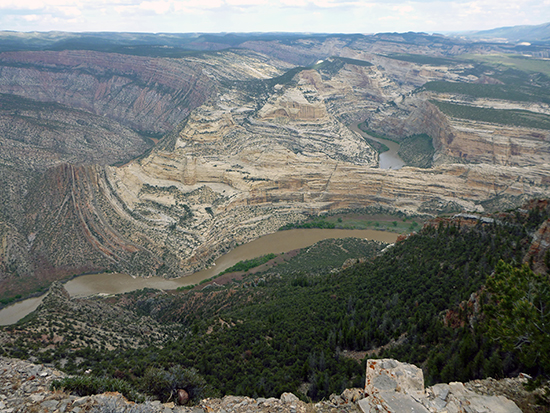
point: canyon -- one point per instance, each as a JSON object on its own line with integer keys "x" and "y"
{"x": 156, "y": 166}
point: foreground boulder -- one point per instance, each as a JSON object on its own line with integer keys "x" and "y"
{"x": 392, "y": 386}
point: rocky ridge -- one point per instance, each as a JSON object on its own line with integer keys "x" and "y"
{"x": 36, "y": 136}
{"x": 148, "y": 94}
{"x": 391, "y": 387}
{"x": 92, "y": 323}
{"x": 247, "y": 157}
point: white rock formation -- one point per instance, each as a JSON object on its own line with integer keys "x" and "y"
{"x": 392, "y": 386}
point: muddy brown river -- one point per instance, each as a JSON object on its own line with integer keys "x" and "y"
{"x": 116, "y": 283}
{"x": 389, "y": 159}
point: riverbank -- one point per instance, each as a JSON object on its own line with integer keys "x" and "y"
{"x": 118, "y": 283}
{"x": 276, "y": 243}
{"x": 389, "y": 159}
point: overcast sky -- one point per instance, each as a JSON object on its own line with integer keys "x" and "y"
{"x": 342, "y": 16}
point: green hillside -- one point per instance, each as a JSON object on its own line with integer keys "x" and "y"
{"x": 293, "y": 329}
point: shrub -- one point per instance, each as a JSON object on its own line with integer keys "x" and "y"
{"x": 165, "y": 384}
{"x": 518, "y": 313}
{"x": 89, "y": 385}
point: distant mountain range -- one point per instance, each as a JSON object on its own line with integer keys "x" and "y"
{"x": 539, "y": 33}
{"x": 181, "y": 44}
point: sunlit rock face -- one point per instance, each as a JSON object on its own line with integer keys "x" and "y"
{"x": 245, "y": 149}
{"x": 392, "y": 386}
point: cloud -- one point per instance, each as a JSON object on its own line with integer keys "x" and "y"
{"x": 159, "y": 7}
{"x": 241, "y": 3}
{"x": 197, "y": 4}
{"x": 32, "y": 17}
{"x": 403, "y": 9}
{"x": 359, "y": 16}
{"x": 32, "y": 4}
{"x": 71, "y": 11}
{"x": 297, "y": 3}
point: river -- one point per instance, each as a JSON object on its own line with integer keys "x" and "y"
{"x": 116, "y": 283}
{"x": 389, "y": 159}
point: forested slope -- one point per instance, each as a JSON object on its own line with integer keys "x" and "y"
{"x": 291, "y": 329}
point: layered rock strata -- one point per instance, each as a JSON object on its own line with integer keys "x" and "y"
{"x": 248, "y": 151}
{"x": 143, "y": 93}
{"x": 241, "y": 167}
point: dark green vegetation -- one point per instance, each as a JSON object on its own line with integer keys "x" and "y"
{"x": 164, "y": 384}
{"x": 365, "y": 128}
{"x": 417, "y": 150}
{"x": 286, "y": 329}
{"x": 249, "y": 264}
{"x": 317, "y": 222}
{"x": 380, "y": 222}
{"x": 327, "y": 256}
{"x": 503, "y": 116}
{"x": 514, "y": 92}
{"x": 467, "y": 344}
{"x": 423, "y": 59}
{"x": 33, "y": 293}
{"x": 519, "y": 313}
{"x": 414, "y": 150}
{"x": 509, "y": 65}
{"x": 378, "y": 146}
{"x": 501, "y": 77}
{"x": 142, "y": 44}
{"x": 160, "y": 383}
{"x": 89, "y": 385}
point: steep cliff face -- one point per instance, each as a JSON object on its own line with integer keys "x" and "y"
{"x": 83, "y": 108}
{"x": 461, "y": 140}
{"x": 36, "y": 136}
{"x": 242, "y": 167}
{"x": 148, "y": 94}
{"x": 249, "y": 149}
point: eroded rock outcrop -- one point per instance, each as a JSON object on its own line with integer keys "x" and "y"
{"x": 26, "y": 387}
{"x": 392, "y": 386}
{"x": 538, "y": 254}
{"x": 241, "y": 167}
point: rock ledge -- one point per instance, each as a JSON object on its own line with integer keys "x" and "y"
{"x": 390, "y": 386}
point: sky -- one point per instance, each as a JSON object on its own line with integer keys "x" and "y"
{"x": 318, "y": 16}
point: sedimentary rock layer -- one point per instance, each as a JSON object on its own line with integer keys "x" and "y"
{"x": 248, "y": 150}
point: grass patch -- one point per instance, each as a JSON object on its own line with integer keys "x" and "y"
{"x": 313, "y": 223}
{"x": 249, "y": 264}
{"x": 422, "y": 59}
{"x": 512, "y": 117}
{"x": 523, "y": 63}
{"x": 503, "y": 92}
{"x": 380, "y": 222}
{"x": 417, "y": 150}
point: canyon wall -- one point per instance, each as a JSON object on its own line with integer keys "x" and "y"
{"x": 248, "y": 149}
